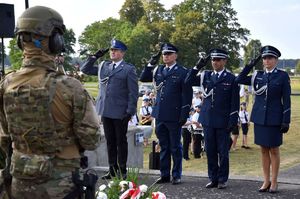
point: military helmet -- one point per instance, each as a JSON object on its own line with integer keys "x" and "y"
{"x": 41, "y": 21}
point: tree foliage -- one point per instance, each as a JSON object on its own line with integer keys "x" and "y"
{"x": 132, "y": 11}
{"x": 193, "y": 26}
{"x": 251, "y": 51}
{"x": 297, "y": 68}
{"x": 70, "y": 40}
{"x": 15, "y": 54}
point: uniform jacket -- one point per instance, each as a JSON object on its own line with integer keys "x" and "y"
{"x": 273, "y": 106}
{"x": 71, "y": 106}
{"x": 220, "y": 109}
{"x": 174, "y": 96}
{"x": 118, "y": 89}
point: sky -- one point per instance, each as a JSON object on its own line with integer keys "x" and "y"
{"x": 273, "y": 22}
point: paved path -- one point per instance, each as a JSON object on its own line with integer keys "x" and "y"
{"x": 240, "y": 187}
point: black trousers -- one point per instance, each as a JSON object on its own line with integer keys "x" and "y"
{"x": 186, "y": 140}
{"x": 115, "y": 131}
{"x": 197, "y": 145}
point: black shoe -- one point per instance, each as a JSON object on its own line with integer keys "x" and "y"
{"x": 222, "y": 185}
{"x": 162, "y": 180}
{"x": 176, "y": 181}
{"x": 273, "y": 190}
{"x": 211, "y": 185}
{"x": 265, "y": 189}
{"x": 107, "y": 176}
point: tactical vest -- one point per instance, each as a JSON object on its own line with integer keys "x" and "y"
{"x": 30, "y": 122}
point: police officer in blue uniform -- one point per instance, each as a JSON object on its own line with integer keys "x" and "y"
{"x": 271, "y": 111}
{"x": 171, "y": 109}
{"x": 116, "y": 102}
{"x": 219, "y": 113}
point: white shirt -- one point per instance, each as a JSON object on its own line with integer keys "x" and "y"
{"x": 133, "y": 121}
{"x": 170, "y": 67}
{"x": 195, "y": 119}
{"x": 220, "y": 72}
{"x": 117, "y": 63}
{"x": 242, "y": 117}
{"x": 143, "y": 110}
{"x": 196, "y": 101}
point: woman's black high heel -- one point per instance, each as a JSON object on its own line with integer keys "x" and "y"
{"x": 265, "y": 189}
{"x": 273, "y": 190}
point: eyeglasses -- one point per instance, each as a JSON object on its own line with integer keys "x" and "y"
{"x": 216, "y": 59}
{"x": 268, "y": 57}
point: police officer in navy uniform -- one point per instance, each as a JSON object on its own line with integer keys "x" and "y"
{"x": 116, "y": 102}
{"x": 171, "y": 109}
{"x": 219, "y": 113}
{"x": 271, "y": 111}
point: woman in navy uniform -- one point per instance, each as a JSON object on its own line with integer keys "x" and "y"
{"x": 271, "y": 111}
{"x": 170, "y": 110}
{"x": 219, "y": 113}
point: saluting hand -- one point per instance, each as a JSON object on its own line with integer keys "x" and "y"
{"x": 100, "y": 53}
{"x": 155, "y": 58}
{"x": 253, "y": 62}
{"x": 202, "y": 61}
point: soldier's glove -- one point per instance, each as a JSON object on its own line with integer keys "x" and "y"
{"x": 100, "y": 53}
{"x": 284, "y": 128}
{"x": 202, "y": 61}
{"x": 154, "y": 58}
{"x": 253, "y": 62}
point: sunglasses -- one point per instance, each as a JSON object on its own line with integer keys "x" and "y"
{"x": 216, "y": 59}
{"x": 268, "y": 57}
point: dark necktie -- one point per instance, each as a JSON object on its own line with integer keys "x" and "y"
{"x": 114, "y": 66}
{"x": 268, "y": 76}
{"x": 146, "y": 107}
{"x": 246, "y": 119}
{"x": 215, "y": 77}
{"x": 166, "y": 70}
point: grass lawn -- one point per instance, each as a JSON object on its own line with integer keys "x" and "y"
{"x": 242, "y": 161}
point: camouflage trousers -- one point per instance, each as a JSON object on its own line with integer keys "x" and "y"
{"x": 56, "y": 188}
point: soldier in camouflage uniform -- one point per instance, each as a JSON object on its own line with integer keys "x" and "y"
{"x": 49, "y": 117}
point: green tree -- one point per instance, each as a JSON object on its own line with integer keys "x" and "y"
{"x": 70, "y": 40}
{"x": 99, "y": 34}
{"x": 132, "y": 11}
{"x": 154, "y": 10}
{"x": 222, "y": 29}
{"x": 297, "y": 68}
{"x": 189, "y": 28}
{"x": 15, "y": 54}
{"x": 251, "y": 51}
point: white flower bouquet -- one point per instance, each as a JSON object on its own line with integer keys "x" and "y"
{"x": 123, "y": 189}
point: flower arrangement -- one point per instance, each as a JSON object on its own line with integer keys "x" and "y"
{"x": 128, "y": 189}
